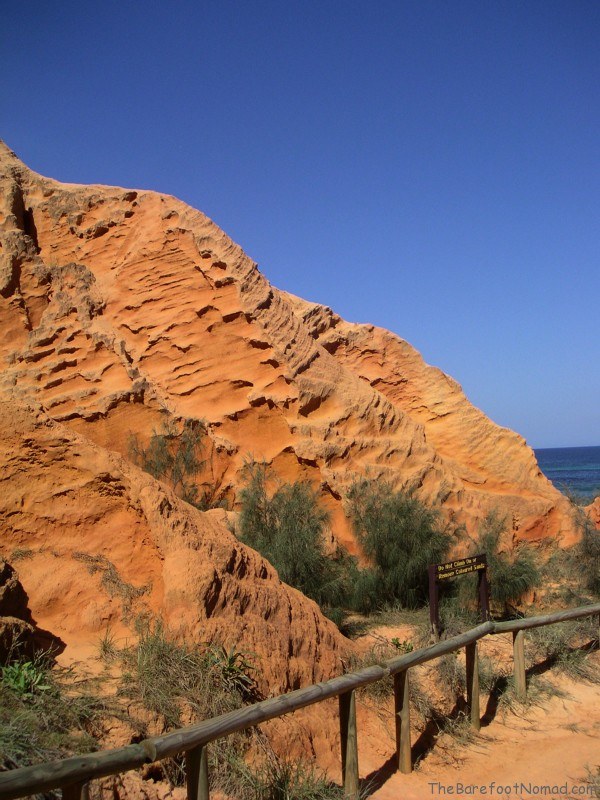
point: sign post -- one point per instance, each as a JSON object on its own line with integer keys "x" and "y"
{"x": 434, "y": 610}
{"x": 454, "y": 569}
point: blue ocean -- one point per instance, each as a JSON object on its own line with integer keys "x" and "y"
{"x": 574, "y": 470}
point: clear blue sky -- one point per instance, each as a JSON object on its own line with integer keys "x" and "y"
{"x": 430, "y": 167}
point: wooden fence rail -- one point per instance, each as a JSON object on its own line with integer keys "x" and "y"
{"x": 72, "y": 775}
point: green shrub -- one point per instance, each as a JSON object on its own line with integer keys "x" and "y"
{"x": 25, "y": 678}
{"x": 287, "y": 529}
{"x": 588, "y": 552}
{"x": 284, "y": 779}
{"x": 47, "y": 713}
{"x": 176, "y": 455}
{"x": 401, "y": 536}
{"x": 179, "y": 684}
{"x": 511, "y": 575}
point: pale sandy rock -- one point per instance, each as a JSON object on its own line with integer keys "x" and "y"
{"x": 593, "y": 512}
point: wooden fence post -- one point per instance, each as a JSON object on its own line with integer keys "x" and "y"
{"x": 196, "y": 773}
{"x": 472, "y": 659}
{"x": 76, "y": 791}
{"x": 519, "y": 666}
{"x": 349, "y": 742}
{"x": 402, "y": 715}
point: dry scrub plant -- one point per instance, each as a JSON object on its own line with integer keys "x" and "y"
{"x": 287, "y": 527}
{"x": 512, "y": 572}
{"x": 401, "y": 536}
{"x": 47, "y": 712}
{"x": 176, "y": 455}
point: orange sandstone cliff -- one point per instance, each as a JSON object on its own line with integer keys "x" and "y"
{"x": 120, "y": 309}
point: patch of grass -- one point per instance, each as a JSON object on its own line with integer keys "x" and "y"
{"x": 173, "y": 681}
{"x": 21, "y": 553}
{"x": 451, "y": 674}
{"x": 381, "y": 690}
{"x": 391, "y": 617}
{"x": 457, "y": 615}
{"x": 111, "y": 581}
{"x": 592, "y": 780}
{"x": 490, "y": 674}
{"x": 47, "y": 713}
{"x": 459, "y": 728}
{"x": 571, "y": 576}
{"x": 560, "y": 646}
{"x": 283, "y": 779}
{"x": 421, "y": 703}
{"x": 178, "y": 684}
{"x": 107, "y": 647}
{"x": 396, "y": 614}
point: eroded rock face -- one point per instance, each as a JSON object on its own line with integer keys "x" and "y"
{"x": 106, "y": 542}
{"x": 16, "y": 632}
{"x": 593, "y": 512}
{"x": 121, "y": 307}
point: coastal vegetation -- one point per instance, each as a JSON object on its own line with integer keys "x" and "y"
{"x": 401, "y": 536}
{"x": 287, "y": 527}
{"x": 176, "y": 454}
{"x": 513, "y": 572}
{"x": 588, "y": 553}
{"x": 150, "y": 686}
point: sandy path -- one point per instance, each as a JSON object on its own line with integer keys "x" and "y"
{"x": 549, "y": 745}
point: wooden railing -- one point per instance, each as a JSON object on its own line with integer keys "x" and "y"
{"x": 72, "y": 775}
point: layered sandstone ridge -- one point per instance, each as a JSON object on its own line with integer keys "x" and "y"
{"x": 97, "y": 543}
{"x": 121, "y": 307}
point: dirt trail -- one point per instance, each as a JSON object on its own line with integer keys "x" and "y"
{"x": 553, "y": 744}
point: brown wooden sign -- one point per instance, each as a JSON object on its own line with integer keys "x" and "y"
{"x": 461, "y": 566}
{"x": 455, "y": 569}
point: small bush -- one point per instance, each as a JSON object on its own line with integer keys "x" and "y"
{"x": 46, "y": 713}
{"x": 172, "y": 680}
{"x": 511, "y": 575}
{"x": 287, "y": 529}
{"x": 401, "y": 536}
{"x": 26, "y": 679}
{"x": 176, "y": 456}
{"x": 283, "y": 779}
{"x": 179, "y": 684}
{"x": 588, "y": 552}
